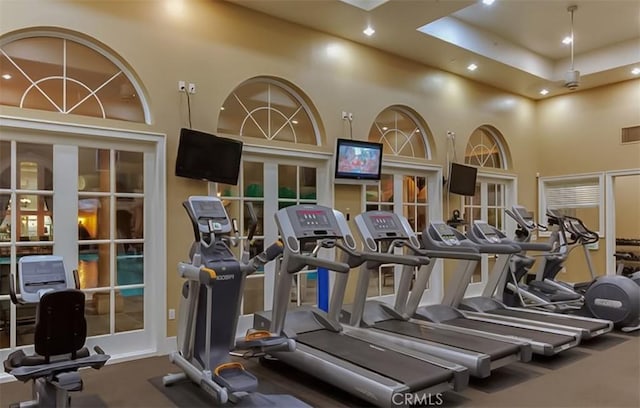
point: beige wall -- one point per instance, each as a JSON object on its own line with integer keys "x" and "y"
{"x": 217, "y": 46}
{"x": 580, "y": 133}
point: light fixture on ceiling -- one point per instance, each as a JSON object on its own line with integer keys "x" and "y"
{"x": 384, "y": 128}
{"x": 472, "y": 67}
{"x": 295, "y": 122}
{"x": 544, "y": 91}
{"x": 572, "y": 76}
{"x": 222, "y": 108}
{"x": 567, "y": 40}
{"x": 635, "y": 71}
{"x": 6, "y": 76}
{"x": 488, "y": 2}
{"x": 369, "y": 31}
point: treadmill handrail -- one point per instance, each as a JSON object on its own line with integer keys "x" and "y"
{"x": 319, "y": 262}
{"x": 466, "y": 253}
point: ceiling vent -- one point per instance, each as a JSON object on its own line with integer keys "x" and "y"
{"x": 630, "y": 134}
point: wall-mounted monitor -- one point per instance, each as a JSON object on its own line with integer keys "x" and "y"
{"x": 204, "y": 156}
{"x": 462, "y": 179}
{"x": 357, "y": 160}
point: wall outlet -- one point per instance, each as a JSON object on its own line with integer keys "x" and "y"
{"x": 192, "y": 88}
{"x": 172, "y": 314}
{"x": 345, "y": 115}
{"x": 182, "y": 86}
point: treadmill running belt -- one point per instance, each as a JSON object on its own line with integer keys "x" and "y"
{"x": 414, "y": 373}
{"x": 556, "y": 340}
{"x": 582, "y": 324}
{"x": 494, "y": 348}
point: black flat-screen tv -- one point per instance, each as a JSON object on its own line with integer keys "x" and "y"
{"x": 204, "y": 156}
{"x": 358, "y": 160}
{"x": 462, "y": 179}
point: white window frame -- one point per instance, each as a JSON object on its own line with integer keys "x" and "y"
{"x": 572, "y": 178}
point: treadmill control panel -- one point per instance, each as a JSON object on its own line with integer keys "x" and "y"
{"x": 309, "y": 222}
{"x": 445, "y": 233}
{"x": 487, "y": 232}
{"x": 375, "y": 226}
{"x": 312, "y": 218}
{"x": 210, "y": 213}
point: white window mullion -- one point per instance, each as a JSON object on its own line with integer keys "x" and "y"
{"x": 270, "y": 175}
{"x": 65, "y": 205}
{"x": 112, "y": 244}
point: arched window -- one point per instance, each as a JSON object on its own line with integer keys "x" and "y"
{"x": 486, "y": 148}
{"x": 401, "y": 132}
{"x": 276, "y": 113}
{"x": 61, "y": 72}
{"x": 268, "y": 108}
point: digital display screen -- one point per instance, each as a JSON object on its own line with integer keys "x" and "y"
{"x": 383, "y": 222}
{"x": 487, "y": 230}
{"x": 313, "y": 218}
{"x": 444, "y": 231}
{"x": 462, "y": 179}
{"x": 204, "y": 156}
{"x": 358, "y": 160}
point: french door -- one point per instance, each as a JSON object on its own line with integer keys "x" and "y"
{"x": 492, "y": 196}
{"x": 270, "y": 182}
{"x": 416, "y": 195}
{"x": 91, "y": 196}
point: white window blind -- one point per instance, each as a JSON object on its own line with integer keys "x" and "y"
{"x": 585, "y": 193}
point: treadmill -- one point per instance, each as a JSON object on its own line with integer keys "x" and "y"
{"x": 484, "y": 234}
{"x": 371, "y": 371}
{"x": 385, "y": 323}
{"x": 545, "y": 339}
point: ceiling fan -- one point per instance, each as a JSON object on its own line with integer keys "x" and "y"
{"x": 572, "y": 76}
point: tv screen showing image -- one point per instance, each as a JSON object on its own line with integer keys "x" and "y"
{"x": 462, "y": 179}
{"x": 204, "y": 156}
{"x": 358, "y": 160}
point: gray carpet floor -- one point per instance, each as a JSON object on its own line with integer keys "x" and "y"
{"x": 602, "y": 373}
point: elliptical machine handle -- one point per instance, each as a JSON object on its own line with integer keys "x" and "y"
{"x": 272, "y": 252}
{"x": 12, "y": 292}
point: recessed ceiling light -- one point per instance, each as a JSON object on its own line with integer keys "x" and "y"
{"x": 488, "y": 2}
{"x": 635, "y": 71}
{"x": 295, "y": 122}
{"x": 544, "y": 91}
{"x": 384, "y": 128}
{"x": 567, "y": 40}
{"x": 369, "y": 31}
{"x": 6, "y": 76}
{"x": 222, "y": 108}
{"x": 472, "y": 67}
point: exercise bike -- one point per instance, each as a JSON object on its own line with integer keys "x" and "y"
{"x": 210, "y": 307}
{"x": 60, "y": 333}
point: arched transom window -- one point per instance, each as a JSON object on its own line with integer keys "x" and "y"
{"x": 485, "y": 149}
{"x": 62, "y": 73}
{"x": 401, "y": 132}
{"x": 267, "y": 108}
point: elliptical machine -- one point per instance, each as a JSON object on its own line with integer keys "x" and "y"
{"x": 210, "y": 306}
{"x": 60, "y": 333}
{"x": 610, "y": 297}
